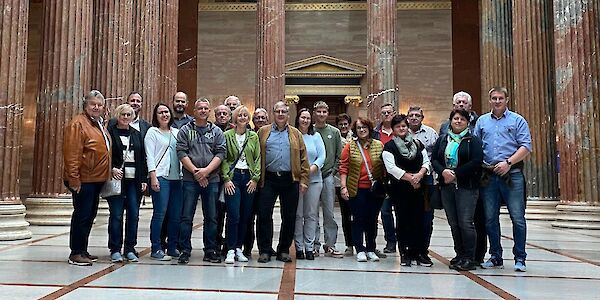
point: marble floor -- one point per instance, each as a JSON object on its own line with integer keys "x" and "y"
{"x": 562, "y": 264}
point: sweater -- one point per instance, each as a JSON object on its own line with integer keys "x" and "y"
{"x": 201, "y": 145}
{"x": 332, "y": 139}
{"x": 315, "y": 150}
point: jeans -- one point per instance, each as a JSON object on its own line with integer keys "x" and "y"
{"x": 459, "y": 205}
{"x": 128, "y": 200}
{"x": 85, "y": 207}
{"x": 387, "y": 218}
{"x": 365, "y": 209}
{"x": 306, "y": 217}
{"x": 221, "y": 209}
{"x": 209, "y": 195}
{"x": 514, "y": 196}
{"x": 167, "y": 204}
{"x": 239, "y": 208}
{"x": 330, "y": 227}
{"x": 346, "y": 218}
{"x": 288, "y": 192}
{"x": 250, "y": 232}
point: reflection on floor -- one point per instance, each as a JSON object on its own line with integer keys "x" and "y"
{"x": 561, "y": 264}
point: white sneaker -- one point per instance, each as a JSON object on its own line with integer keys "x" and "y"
{"x": 361, "y": 257}
{"x": 372, "y": 256}
{"x": 230, "y": 257}
{"x": 239, "y": 255}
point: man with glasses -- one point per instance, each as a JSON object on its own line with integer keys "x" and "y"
{"x": 260, "y": 118}
{"x": 383, "y": 132}
{"x": 427, "y": 136}
{"x": 461, "y": 100}
{"x": 506, "y": 142}
{"x": 285, "y": 169}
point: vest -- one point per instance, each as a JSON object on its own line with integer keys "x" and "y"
{"x": 355, "y": 161}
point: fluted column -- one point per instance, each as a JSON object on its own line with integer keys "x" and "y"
{"x": 65, "y": 75}
{"x": 381, "y": 55}
{"x": 112, "y": 57}
{"x": 496, "y": 46}
{"x": 168, "y": 49}
{"x": 270, "y": 53}
{"x": 533, "y": 98}
{"x": 577, "y": 60}
{"x": 13, "y": 60}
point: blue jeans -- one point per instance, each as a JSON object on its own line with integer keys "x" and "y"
{"x": 209, "y": 194}
{"x": 128, "y": 200}
{"x": 239, "y": 209}
{"x": 493, "y": 194}
{"x": 387, "y": 218}
{"x": 85, "y": 207}
{"x": 168, "y": 200}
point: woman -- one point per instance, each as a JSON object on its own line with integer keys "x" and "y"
{"x": 406, "y": 162}
{"x": 457, "y": 158}
{"x": 164, "y": 171}
{"x": 308, "y": 203}
{"x": 129, "y": 166}
{"x": 357, "y": 176}
{"x": 240, "y": 171}
{"x": 343, "y": 122}
{"x": 86, "y": 156}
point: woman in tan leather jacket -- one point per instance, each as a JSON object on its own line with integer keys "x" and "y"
{"x": 87, "y": 162}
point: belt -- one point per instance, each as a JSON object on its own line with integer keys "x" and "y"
{"x": 241, "y": 171}
{"x": 279, "y": 173}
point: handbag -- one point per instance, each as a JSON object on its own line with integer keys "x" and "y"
{"x": 377, "y": 187}
{"x": 113, "y": 186}
{"x": 435, "y": 196}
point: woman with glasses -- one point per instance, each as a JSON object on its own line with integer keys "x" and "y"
{"x": 360, "y": 168}
{"x": 343, "y": 122}
{"x": 308, "y": 203}
{"x": 240, "y": 171}
{"x": 129, "y": 166}
{"x": 164, "y": 171}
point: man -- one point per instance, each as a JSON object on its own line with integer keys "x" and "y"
{"x": 223, "y": 117}
{"x": 222, "y": 120}
{"x": 333, "y": 149}
{"x": 260, "y": 118}
{"x": 285, "y": 175}
{"x": 232, "y": 102}
{"x": 85, "y": 138}
{"x": 201, "y": 148}
{"x": 427, "y": 136}
{"x": 506, "y": 142}
{"x": 384, "y": 133}
{"x": 180, "y": 104}
{"x": 462, "y": 100}
{"x": 135, "y": 101}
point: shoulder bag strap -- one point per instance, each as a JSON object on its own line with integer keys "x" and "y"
{"x": 362, "y": 153}
{"x": 232, "y": 166}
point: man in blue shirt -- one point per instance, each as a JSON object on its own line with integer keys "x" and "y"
{"x": 506, "y": 142}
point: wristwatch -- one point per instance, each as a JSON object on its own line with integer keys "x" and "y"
{"x": 508, "y": 162}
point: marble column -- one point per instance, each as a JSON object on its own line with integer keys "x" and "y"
{"x": 65, "y": 76}
{"x": 168, "y": 50}
{"x": 381, "y": 55}
{"x": 577, "y": 65}
{"x": 112, "y": 53}
{"x": 13, "y": 60}
{"x": 496, "y": 46}
{"x": 270, "y": 53}
{"x": 533, "y": 98}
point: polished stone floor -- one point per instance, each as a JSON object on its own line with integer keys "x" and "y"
{"x": 562, "y": 264}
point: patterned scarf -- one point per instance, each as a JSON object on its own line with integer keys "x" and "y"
{"x": 451, "y": 152}
{"x": 407, "y": 147}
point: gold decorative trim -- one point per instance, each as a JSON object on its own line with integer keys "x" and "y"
{"x": 350, "y": 90}
{"x": 353, "y": 100}
{"x": 292, "y": 99}
{"x": 404, "y": 5}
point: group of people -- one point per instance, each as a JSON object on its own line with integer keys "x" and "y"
{"x": 238, "y": 171}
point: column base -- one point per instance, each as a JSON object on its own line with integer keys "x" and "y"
{"x": 12, "y": 223}
{"x": 577, "y": 216}
{"x": 49, "y": 211}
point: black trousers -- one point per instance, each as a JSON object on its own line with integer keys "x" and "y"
{"x": 346, "y": 218}
{"x": 85, "y": 207}
{"x": 286, "y": 189}
{"x": 479, "y": 220}
{"x": 409, "y": 221}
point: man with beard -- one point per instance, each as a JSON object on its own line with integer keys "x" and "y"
{"x": 180, "y": 103}
{"x": 222, "y": 120}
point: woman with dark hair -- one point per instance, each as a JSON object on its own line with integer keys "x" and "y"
{"x": 308, "y": 203}
{"x": 457, "y": 158}
{"x": 360, "y": 169}
{"x": 406, "y": 162}
{"x": 164, "y": 171}
{"x": 129, "y": 166}
{"x": 343, "y": 122}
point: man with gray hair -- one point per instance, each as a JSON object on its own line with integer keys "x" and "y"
{"x": 232, "y": 102}
{"x": 260, "y": 118}
{"x": 461, "y": 100}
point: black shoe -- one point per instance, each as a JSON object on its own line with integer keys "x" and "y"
{"x": 247, "y": 253}
{"x": 264, "y": 258}
{"x": 273, "y": 252}
{"x": 390, "y": 248}
{"x": 454, "y": 262}
{"x": 300, "y": 254}
{"x": 405, "y": 261}
{"x": 310, "y": 255}
{"x": 466, "y": 265}
{"x": 424, "y": 260}
{"x": 284, "y": 257}
{"x": 212, "y": 257}
{"x": 184, "y": 258}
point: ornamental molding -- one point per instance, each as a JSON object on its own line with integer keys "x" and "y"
{"x": 404, "y": 5}
{"x": 324, "y": 66}
{"x": 350, "y": 90}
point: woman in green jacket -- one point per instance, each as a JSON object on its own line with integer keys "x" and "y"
{"x": 240, "y": 171}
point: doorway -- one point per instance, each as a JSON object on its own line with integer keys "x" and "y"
{"x": 336, "y": 105}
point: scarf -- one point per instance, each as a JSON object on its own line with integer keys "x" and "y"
{"x": 407, "y": 147}
{"x": 451, "y": 152}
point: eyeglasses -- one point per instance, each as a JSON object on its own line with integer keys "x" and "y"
{"x": 362, "y": 127}
{"x": 415, "y": 116}
{"x": 387, "y": 112}
{"x": 281, "y": 112}
{"x": 126, "y": 115}
{"x": 260, "y": 117}
{"x": 343, "y": 125}
{"x": 222, "y": 113}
